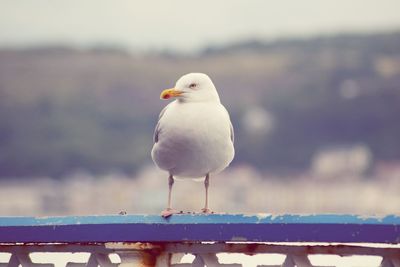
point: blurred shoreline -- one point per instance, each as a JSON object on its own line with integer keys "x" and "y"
{"x": 240, "y": 189}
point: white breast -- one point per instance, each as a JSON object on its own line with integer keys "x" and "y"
{"x": 194, "y": 139}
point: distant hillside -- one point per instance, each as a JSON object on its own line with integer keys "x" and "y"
{"x": 377, "y": 43}
{"x": 63, "y": 109}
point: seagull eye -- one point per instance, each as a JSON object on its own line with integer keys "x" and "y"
{"x": 192, "y": 85}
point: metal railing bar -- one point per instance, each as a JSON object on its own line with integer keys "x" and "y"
{"x": 248, "y": 248}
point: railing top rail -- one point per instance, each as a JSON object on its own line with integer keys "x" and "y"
{"x": 261, "y": 218}
{"x": 199, "y": 227}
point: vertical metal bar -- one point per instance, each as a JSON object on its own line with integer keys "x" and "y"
{"x": 211, "y": 260}
{"x": 163, "y": 260}
{"x": 176, "y": 257}
{"x": 289, "y": 262}
{"x": 25, "y": 260}
{"x": 13, "y": 262}
{"x": 74, "y": 264}
{"x": 92, "y": 262}
{"x": 198, "y": 261}
{"x": 386, "y": 262}
{"x": 135, "y": 254}
{"x": 302, "y": 260}
{"x": 396, "y": 261}
{"x": 136, "y": 259}
{"x": 391, "y": 261}
{"x": 104, "y": 260}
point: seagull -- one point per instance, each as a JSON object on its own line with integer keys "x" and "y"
{"x": 194, "y": 135}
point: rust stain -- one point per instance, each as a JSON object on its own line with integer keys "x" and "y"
{"x": 148, "y": 258}
{"x": 251, "y": 248}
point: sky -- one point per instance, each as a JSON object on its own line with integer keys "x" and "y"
{"x": 185, "y": 25}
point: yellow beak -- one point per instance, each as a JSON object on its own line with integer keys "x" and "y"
{"x": 168, "y": 93}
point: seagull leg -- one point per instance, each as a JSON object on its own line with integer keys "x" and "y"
{"x": 169, "y": 211}
{"x": 170, "y": 184}
{"x": 206, "y": 185}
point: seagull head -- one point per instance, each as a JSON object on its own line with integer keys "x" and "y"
{"x": 193, "y": 87}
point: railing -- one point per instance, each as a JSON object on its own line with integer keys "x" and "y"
{"x": 150, "y": 240}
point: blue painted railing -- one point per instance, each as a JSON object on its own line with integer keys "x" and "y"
{"x": 198, "y": 227}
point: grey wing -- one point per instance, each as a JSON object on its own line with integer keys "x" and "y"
{"x": 231, "y": 126}
{"x": 232, "y": 133}
{"x": 158, "y": 128}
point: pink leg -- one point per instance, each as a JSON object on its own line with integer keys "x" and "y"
{"x": 206, "y": 185}
{"x": 169, "y": 211}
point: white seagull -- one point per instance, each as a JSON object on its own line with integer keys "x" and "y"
{"x": 194, "y": 135}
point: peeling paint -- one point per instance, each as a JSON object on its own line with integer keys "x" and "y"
{"x": 198, "y": 227}
{"x": 239, "y": 238}
{"x": 379, "y": 218}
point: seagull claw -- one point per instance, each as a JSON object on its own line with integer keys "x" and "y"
{"x": 206, "y": 211}
{"x": 168, "y": 212}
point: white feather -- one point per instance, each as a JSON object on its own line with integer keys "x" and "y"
{"x": 194, "y": 135}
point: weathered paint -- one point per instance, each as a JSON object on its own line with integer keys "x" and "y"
{"x": 161, "y": 254}
{"x": 199, "y": 227}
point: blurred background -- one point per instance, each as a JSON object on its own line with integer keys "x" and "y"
{"x": 313, "y": 89}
